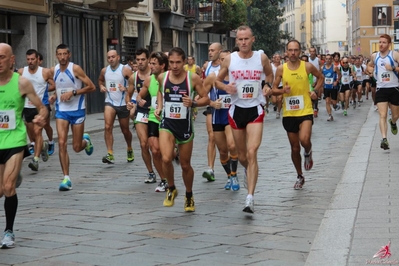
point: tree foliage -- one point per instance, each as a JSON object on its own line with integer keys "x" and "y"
{"x": 234, "y": 13}
{"x": 265, "y": 19}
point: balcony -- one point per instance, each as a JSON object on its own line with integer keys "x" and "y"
{"x": 162, "y": 6}
{"x": 209, "y": 12}
{"x": 189, "y": 8}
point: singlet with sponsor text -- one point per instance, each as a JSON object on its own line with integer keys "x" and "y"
{"x": 329, "y": 76}
{"x": 385, "y": 78}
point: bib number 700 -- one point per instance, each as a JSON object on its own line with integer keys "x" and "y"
{"x": 247, "y": 89}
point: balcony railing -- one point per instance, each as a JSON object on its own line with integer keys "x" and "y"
{"x": 209, "y": 12}
{"x": 189, "y": 8}
{"x": 162, "y": 6}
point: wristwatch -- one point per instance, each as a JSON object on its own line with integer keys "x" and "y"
{"x": 74, "y": 92}
{"x": 268, "y": 84}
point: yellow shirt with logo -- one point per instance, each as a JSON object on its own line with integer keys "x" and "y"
{"x": 192, "y": 69}
{"x": 298, "y": 102}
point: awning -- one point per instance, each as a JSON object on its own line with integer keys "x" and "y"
{"x": 137, "y": 17}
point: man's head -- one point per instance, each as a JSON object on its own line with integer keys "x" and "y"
{"x": 293, "y": 50}
{"x": 142, "y": 56}
{"x": 305, "y": 58}
{"x": 345, "y": 62}
{"x": 244, "y": 39}
{"x": 336, "y": 56}
{"x": 276, "y": 59}
{"x": 133, "y": 64}
{"x": 385, "y": 42}
{"x": 158, "y": 63}
{"x": 7, "y": 58}
{"x": 312, "y": 52}
{"x": 223, "y": 54}
{"x": 63, "y": 54}
{"x": 32, "y": 58}
{"x": 190, "y": 60}
{"x": 176, "y": 59}
{"x": 328, "y": 59}
{"x": 214, "y": 51}
{"x": 113, "y": 58}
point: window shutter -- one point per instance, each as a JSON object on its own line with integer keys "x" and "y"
{"x": 374, "y": 16}
{"x": 389, "y": 16}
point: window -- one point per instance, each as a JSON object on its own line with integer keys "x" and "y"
{"x": 382, "y": 16}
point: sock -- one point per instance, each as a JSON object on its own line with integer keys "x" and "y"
{"x": 226, "y": 166}
{"x": 171, "y": 188}
{"x": 249, "y": 196}
{"x": 36, "y": 158}
{"x": 67, "y": 177}
{"x": 234, "y": 164}
{"x": 189, "y": 194}
{"x": 307, "y": 153}
{"x": 51, "y": 142}
{"x": 111, "y": 152}
{"x": 10, "y": 207}
{"x": 32, "y": 143}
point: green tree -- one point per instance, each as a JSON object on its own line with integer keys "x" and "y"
{"x": 234, "y": 13}
{"x": 265, "y": 18}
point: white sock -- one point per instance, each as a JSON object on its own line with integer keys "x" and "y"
{"x": 67, "y": 177}
{"x": 51, "y": 142}
{"x": 249, "y": 196}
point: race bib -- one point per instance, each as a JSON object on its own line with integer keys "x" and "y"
{"x": 248, "y": 90}
{"x": 154, "y": 102}
{"x": 7, "y": 120}
{"x": 62, "y": 91}
{"x": 345, "y": 79}
{"x": 112, "y": 86}
{"x": 175, "y": 110}
{"x": 328, "y": 81}
{"x": 142, "y": 117}
{"x": 385, "y": 77}
{"x": 226, "y": 101}
{"x": 294, "y": 103}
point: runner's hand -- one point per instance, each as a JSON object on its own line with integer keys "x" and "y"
{"x": 231, "y": 88}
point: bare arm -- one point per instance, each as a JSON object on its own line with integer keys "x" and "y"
{"x": 101, "y": 80}
{"x": 131, "y": 88}
{"x": 277, "y": 79}
{"x": 370, "y": 65}
{"x": 48, "y": 77}
{"x": 143, "y": 92}
{"x": 311, "y": 69}
{"x": 267, "y": 69}
{"x": 80, "y": 74}
{"x": 223, "y": 72}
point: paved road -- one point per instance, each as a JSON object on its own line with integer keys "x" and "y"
{"x": 112, "y": 218}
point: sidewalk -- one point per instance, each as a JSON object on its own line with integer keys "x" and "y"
{"x": 363, "y": 214}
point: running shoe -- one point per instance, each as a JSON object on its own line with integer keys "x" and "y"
{"x": 65, "y": 185}
{"x": 375, "y": 108}
{"x": 89, "y": 146}
{"x": 394, "y": 127}
{"x": 109, "y": 158}
{"x": 308, "y": 161}
{"x": 300, "y": 181}
{"x": 267, "y": 110}
{"x": 19, "y": 180}
{"x": 51, "y": 148}
{"x": 169, "y": 201}
{"x": 315, "y": 113}
{"x": 130, "y": 156}
{"x": 338, "y": 107}
{"x": 358, "y": 104}
{"x": 31, "y": 149}
{"x": 235, "y": 185}
{"x": 228, "y": 184}
{"x": 162, "y": 186}
{"x": 34, "y": 165}
{"x": 345, "y": 113}
{"x": 275, "y": 108}
{"x": 209, "y": 174}
{"x": 354, "y": 105}
{"x": 189, "y": 205}
{"x": 249, "y": 205}
{"x": 384, "y": 144}
{"x": 330, "y": 118}
{"x": 8, "y": 240}
{"x": 277, "y": 115}
{"x": 151, "y": 178}
{"x": 44, "y": 152}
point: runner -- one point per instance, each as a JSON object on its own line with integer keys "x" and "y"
{"x": 246, "y": 113}
{"x": 331, "y": 77}
{"x": 191, "y": 66}
{"x": 277, "y": 100}
{"x": 213, "y": 65}
{"x": 113, "y": 81}
{"x": 175, "y": 101}
{"x": 220, "y": 102}
{"x": 158, "y": 65}
{"x": 345, "y": 84}
{"x": 385, "y": 64}
{"x": 314, "y": 60}
{"x": 358, "y": 73}
{"x": 297, "y": 106}
{"x": 13, "y": 91}
{"x": 70, "y": 109}
{"x": 39, "y": 77}
{"x": 141, "y": 119}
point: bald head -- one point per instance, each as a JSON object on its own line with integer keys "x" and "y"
{"x": 113, "y": 58}
{"x": 6, "y": 58}
{"x": 214, "y": 51}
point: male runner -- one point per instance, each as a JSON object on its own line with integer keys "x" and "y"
{"x": 331, "y": 77}
{"x": 70, "y": 109}
{"x": 113, "y": 81}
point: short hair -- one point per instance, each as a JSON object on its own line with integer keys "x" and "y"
{"x": 336, "y": 54}
{"x": 245, "y": 27}
{"x": 62, "y": 46}
{"x": 191, "y": 56}
{"x": 31, "y": 52}
{"x": 225, "y": 51}
{"x": 40, "y": 56}
{"x": 235, "y": 49}
{"x": 305, "y": 56}
{"x": 143, "y": 51}
{"x": 162, "y": 59}
{"x": 296, "y": 41}
{"x": 178, "y": 51}
{"x": 386, "y": 36}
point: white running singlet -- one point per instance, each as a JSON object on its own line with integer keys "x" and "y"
{"x": 39, "y": 84}
{"x": 112, "y": 80}
{"x": 385, "y": 78}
